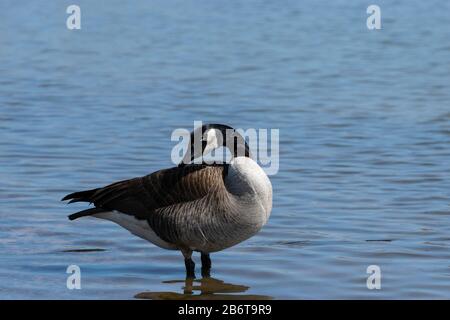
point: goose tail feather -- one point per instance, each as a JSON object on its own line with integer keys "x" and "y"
{"x": 85, "y": 213}
{"x": 80, "y": 196}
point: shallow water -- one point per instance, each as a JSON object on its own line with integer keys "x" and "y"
{"x": 364, "y": 119}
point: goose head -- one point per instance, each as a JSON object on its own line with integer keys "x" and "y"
{"x": 211, "y": 136}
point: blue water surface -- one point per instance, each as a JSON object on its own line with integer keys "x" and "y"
{"x": 364, "y": 120}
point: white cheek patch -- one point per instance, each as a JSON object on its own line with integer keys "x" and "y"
{"x": 211, "y": 141}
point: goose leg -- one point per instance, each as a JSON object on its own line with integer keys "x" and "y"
{"x": 188, "y": 284}
{"x": 189, "y": 263}
{"x": 206, "y": 265}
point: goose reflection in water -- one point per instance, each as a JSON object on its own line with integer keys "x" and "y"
{"x": 207, "y": 288}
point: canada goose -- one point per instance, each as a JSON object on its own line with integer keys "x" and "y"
{"x": 192, "y": 207}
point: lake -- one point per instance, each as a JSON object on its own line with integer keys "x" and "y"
{"x": 364, "y": 122}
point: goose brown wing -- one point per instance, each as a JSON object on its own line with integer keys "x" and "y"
{"x": 140, "y": 197}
